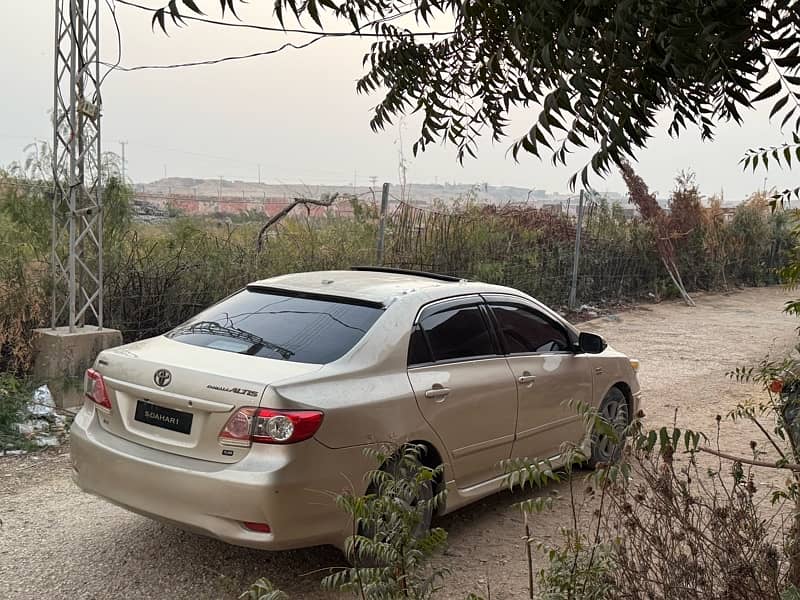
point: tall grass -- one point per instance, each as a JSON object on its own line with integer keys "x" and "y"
{"x": 158, "y": 275}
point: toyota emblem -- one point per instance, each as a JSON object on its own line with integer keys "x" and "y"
{"x": 162, "y": 378}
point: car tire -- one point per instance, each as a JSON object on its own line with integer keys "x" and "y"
{"x": 615, "y": 410}
{"x": 394, "y": 466}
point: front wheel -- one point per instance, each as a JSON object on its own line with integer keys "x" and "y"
{"x": 607, "y": 449}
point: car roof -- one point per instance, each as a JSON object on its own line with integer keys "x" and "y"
{"x": 372, "y": 286}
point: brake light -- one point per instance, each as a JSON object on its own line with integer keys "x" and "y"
{"x": 259, "y": 527}
{"x": 96, "y": 389}
{"x": 269, "y": 426}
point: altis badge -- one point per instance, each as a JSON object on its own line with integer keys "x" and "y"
{"x": 234, "y": 390}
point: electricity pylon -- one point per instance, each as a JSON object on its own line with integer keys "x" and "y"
{"x": 77, "y": 227}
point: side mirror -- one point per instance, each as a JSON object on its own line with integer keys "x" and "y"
{"x": 591, "y": 343}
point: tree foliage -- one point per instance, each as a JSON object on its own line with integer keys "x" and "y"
{"x": 594, "y": 74}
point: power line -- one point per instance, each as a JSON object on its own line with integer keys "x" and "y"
{"x": 318, "y": 35}
{"x": 215, "y": 61}
{"x": 357, "y": 33}
{"x": 113, "y": 10}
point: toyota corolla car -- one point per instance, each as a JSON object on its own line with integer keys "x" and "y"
{"x": 242, "y": 422}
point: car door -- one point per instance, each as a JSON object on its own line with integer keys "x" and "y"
{"x": 464, "y": 387}
{"x": 550, "y": 377}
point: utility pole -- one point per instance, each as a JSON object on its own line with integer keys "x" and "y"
{"x": 259, "y": 174}
{"x": 122, "y": 144}
{"x": 382, "y": 222}
{"x": 372, "y": 181}
{"x": 77, "y": 216}
{"x": 576, "y": 259}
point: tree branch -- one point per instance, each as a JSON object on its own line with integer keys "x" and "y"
{"x": 278, "y": 216}
{"x": 750, "y": 461}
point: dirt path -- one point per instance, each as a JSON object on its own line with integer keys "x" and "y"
{"x": 57, "y": 542}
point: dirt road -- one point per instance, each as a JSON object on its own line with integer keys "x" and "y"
{"x": 56, "y": 542}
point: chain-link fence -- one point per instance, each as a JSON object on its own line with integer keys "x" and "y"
{"x": 534, "y": 250}
{"x": 160, "y": 274}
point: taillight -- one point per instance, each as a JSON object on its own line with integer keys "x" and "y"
{"x": 96, "y": 389}
{"x": 269, "y": 426}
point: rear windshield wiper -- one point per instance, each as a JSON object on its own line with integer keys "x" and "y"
{"x": 213, "y": 328}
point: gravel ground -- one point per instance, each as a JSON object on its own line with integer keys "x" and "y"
{"x": 57, "y": 542}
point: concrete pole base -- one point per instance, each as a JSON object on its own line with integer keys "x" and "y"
{"x": 61, "y": 358}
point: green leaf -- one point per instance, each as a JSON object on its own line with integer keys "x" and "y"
{"x": 158, "y": 17}
{"x": 779, "y": 105}
{"x": 771, "y": 90}
{"x": 791, "y": 593}
{"x": 311, "y": 6}
{"x": 190, "y": 4}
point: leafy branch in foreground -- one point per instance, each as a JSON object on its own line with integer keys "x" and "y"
{"x": 598, "y": 73}
{"x": 784, "y": 155}
{"x": 392, "y": 542}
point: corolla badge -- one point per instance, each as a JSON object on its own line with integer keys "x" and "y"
{"x": 162, "y": 378}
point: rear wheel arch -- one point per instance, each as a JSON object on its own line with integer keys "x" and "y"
{"x": 431, "y": 458}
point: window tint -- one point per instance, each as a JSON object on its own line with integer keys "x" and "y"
{"x": 526, "y": 331}
{"x": 418, "y": 351}
{"x": 458, "y": 333}
{"x": 310, "y": 330}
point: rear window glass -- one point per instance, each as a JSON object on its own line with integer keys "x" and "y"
{"x": 298, "y": 329}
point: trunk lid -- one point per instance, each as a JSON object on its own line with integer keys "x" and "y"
{"x": 177, "y": 397}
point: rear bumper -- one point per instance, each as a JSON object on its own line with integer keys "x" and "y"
{"x": 290, "y": 488}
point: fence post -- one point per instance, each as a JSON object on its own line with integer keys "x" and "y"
{"x": 382, "y": 222}
{"x": 573, "y": 290}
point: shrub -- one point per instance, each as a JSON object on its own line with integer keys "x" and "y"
{"x": 14, "y": 395}
{"x": 390, "y": 548}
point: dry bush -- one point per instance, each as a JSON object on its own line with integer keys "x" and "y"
{"x": 685, "y": 528}
{"x": 24, "y": 306}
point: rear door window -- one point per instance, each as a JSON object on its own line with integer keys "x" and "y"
{"x": 306, "y": 329}
{"x": 525, "y": 330}
{"x": 418, "y": 351}
{"x": 458, "y": 333}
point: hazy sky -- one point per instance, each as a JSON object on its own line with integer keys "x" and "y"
{"x": 296, "y": 113}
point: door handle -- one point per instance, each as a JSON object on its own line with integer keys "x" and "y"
{"x": 526, "y": 378}
{"x": 437, "y": 392}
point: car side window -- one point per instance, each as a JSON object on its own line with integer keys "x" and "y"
{"x": 524, "y": 330}
{"x": 458, "y": 333}
{"x": 418, "y": 351}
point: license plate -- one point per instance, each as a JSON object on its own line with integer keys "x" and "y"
{"x": 160, "y": 416}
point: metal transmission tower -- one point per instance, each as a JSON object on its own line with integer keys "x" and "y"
{"x": 77, "y": 244}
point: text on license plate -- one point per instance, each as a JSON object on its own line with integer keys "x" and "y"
{"x": 161, "y": 416}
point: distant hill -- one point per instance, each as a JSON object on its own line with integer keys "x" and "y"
{"x": 423, "y": 194}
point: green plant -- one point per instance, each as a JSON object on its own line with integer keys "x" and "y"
{"x": 263, "y": 589}
{"x": 14, "y": 394}
{"x": 662, "y": 522}
{"x": 579, "y": 564}
{"x": 391, "y": 547}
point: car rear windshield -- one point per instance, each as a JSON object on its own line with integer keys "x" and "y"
{"x": 297, "y": 328}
